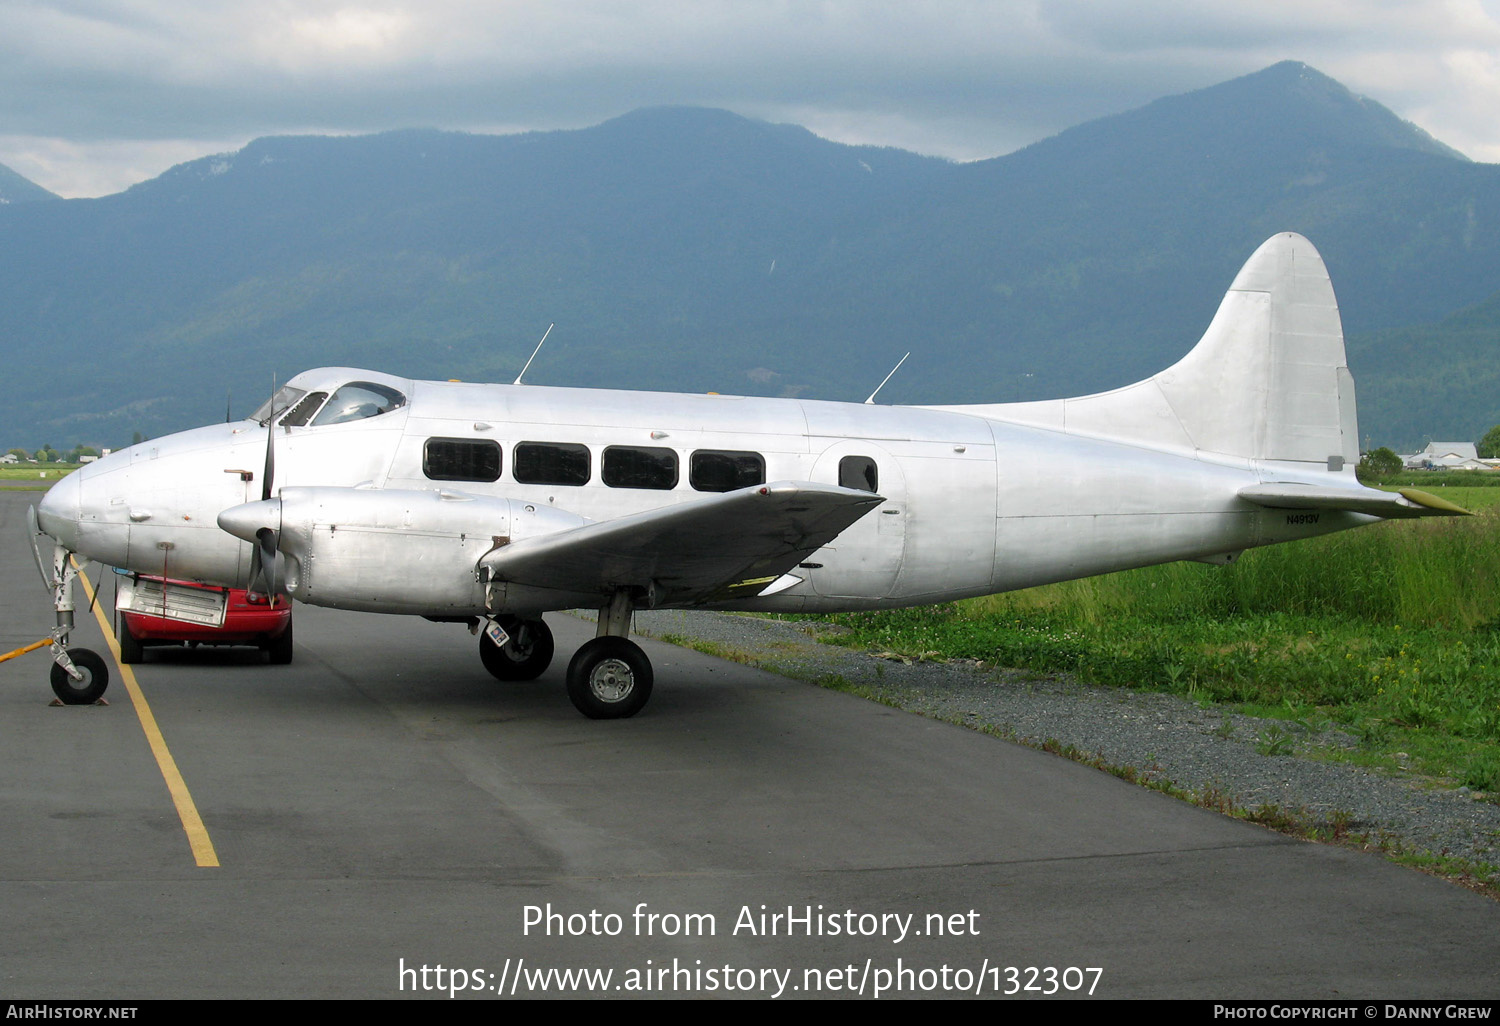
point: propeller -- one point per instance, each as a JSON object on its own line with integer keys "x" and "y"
{"x": 266, "y": 563}
{"x": 269, "y": 471}
{"x": 265, "y": 576}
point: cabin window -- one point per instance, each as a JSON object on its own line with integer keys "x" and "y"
{"x": 358, "y": 400}
{"x": 626, "y": 466}
{"x": 717, "y": 470}
{"x": 554, "y": 463}
{"x": 303, "y": 411}
{"x": 859, "y": 472}
{"x": 461, "y": 459}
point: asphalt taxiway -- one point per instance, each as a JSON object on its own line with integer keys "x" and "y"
{"x": 382, "y": 807}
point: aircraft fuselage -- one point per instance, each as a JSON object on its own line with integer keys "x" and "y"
{"x": 972, "y": 504}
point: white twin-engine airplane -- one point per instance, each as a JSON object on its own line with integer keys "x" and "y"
{"x": 491, "y": 504}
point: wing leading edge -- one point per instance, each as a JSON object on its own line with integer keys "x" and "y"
{"x": 733, "y": 544}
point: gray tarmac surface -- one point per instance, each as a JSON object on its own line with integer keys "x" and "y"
{"x": 383, "y": 804}
{"x": 1198, "y": 749}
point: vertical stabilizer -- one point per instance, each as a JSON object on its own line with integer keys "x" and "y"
{"x": 1268, "y": 380}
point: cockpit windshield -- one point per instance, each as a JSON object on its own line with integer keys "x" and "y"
{"x": 358, "y": 400}
{"x": 285, "y": 396}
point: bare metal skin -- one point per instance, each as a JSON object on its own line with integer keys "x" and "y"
{"x": 387, "y": 494}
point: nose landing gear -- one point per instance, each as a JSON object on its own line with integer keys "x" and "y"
{"x": 80, "y": 676}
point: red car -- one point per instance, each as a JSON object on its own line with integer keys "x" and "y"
{"x": 248, "y": 620}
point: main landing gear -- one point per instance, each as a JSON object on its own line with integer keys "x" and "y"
{"x": 609, "y": 677}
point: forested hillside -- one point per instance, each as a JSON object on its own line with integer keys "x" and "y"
{"x": 695, "y": 249}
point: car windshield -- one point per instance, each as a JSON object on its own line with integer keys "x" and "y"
{"x": 358, "y": 400}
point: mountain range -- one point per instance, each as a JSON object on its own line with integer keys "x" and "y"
{"x": 694, "y": 249}
{"x": 16, "y": 189}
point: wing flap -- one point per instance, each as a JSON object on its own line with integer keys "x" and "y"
{"x": 1408, "y": 502}
{"x": 720, "y": 546}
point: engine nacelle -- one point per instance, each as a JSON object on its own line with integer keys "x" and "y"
{"x": 400, "y": 551}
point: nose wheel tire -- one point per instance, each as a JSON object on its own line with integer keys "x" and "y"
{"x": 525, "y": 656}
{"x": 609, "y": 679}
{"x": 81, "y": 692}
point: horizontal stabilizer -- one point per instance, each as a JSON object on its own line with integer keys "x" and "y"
{"x": 720, "y": 546}
{"x": 1408, "y": 502}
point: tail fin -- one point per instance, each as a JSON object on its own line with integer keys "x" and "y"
{"x": 1268, "y": 380}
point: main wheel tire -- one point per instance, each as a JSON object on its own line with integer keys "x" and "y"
{"x": 279, "y": 649}
{"x": 81, "y": 692}
{"x": 609, "y": 679}
{"x": 525, "y": 656}
{"x": 131, "y": 650}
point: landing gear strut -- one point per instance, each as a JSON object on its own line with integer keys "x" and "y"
{"x": 610, "y": 677}
{"x": 79, "y": 675}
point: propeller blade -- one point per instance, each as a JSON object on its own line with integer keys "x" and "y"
{"x": 265, "y": 551}
{"x": 269, "y": 471}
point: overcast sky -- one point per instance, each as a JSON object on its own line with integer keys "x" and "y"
{"x": 96, "y": 95}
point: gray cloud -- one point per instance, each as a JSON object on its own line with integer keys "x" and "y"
{"x": 97, "y": 94}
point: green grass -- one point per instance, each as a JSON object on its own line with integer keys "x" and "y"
{"x": 43, "y": 474}
{"x": 34, "y": 477}
{"x": 1390, "y": 632}
{"x": 1433, "y": 480}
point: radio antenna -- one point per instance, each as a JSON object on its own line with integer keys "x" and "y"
{"x": 538, "y": 349}
{"x": 871, "y": 401}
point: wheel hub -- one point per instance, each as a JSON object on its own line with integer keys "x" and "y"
{"x": 612, "y": 680}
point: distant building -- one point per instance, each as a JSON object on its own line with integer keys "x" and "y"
{"x": 1447, "y": 456}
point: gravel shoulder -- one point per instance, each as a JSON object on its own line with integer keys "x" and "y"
{"x": 1167, "y": 738}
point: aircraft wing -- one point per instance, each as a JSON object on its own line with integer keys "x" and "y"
{"x": 1408, "y": 502}
{"x": 720, "y": 546}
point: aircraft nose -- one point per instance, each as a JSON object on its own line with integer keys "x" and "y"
{"x": 59, "y": 511}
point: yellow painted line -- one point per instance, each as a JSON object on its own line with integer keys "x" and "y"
{"x": 192, "y": 823}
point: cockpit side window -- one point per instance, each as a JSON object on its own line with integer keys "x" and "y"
{"x": 358, "y": 400}
{"x": 303, "y": 411}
